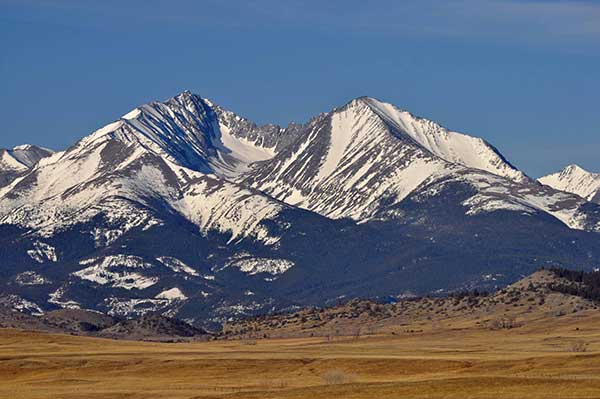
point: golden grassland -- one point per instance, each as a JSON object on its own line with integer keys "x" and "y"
{"x": 541, "y": 359}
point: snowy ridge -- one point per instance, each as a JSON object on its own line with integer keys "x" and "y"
{"x": 496, "y": 193}
{"x": 187, "y": 131}
{"x": 347, "y": 163}
{"x": 10, "y": 163}
{"x": 174, "y": 151}
{"x": 29, "y": 155}
{"x": 576, "y": 180}
{"x": 454, "y": 147}
{"x": 22, "y": 157}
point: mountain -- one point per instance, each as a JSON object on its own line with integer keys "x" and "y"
{"x": 576, "y": 180}
{"x": 363, "y": 159}
{"x": 186, "y": 209}
{"x": 18, "y": 160}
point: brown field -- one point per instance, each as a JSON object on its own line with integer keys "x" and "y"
{"x": 551, "y": 358}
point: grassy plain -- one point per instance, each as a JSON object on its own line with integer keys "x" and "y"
{"x": 542, "y": 359}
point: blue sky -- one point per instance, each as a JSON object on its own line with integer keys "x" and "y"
{"x": 522, "y": 74}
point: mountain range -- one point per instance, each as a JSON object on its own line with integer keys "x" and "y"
{"x": 186, "y": 209}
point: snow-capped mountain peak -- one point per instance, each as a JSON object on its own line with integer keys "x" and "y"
{"x": 451, "y": 146}
{"x": 18, "y": 160}
{"x": 25, "y": 155}
{"x": 190, "y": 131}
{"x": 176, "y": 152}
{"x": 347, "y": 162}
{"x": 574, "y": 179}
{"x": 9, "y": 162}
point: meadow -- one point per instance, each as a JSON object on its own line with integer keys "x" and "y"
{"x": 555, "y": 357}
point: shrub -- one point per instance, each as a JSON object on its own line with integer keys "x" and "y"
{"x": 504, "y": 323}
{"x": 578, "y": 346}
{"x": 334, "y": 377}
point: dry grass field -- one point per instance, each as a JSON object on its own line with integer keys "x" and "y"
{"x": 551, "y": 358}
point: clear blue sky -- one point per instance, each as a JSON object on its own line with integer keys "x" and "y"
{"x": 525, "y": 75}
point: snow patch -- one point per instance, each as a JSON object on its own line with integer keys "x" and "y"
{"x": 134, "y": 113}
{"x": 115, "y": 271}
{"x": 31, "y": 278}
{"x": 57, "y": 298}
{"x": 128, "y": 307}
{"x": 252, "y": 265}
{"x": 42, "y": 252}
{"x": 172, "y": 295}
{"x": 21, "y": 304}
{"x": 177, "y": 266}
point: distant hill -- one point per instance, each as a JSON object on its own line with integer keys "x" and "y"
{"x": 544, "y": 294}
{"x": 151, "y": 326}
{"x": 84, "y": 322}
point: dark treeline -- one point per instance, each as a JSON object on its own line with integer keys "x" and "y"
{"x": 583, "y": 284}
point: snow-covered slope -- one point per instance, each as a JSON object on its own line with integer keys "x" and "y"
{"x": 16, "y": 161}
{"x": 369, "y": 155}
{"x": 172, "y": 152}
{"x": 454, "y": 147}
{"x": 22, "y": 157}
{"x": 9, "y": 163}
{"x": 576, "y": 180}
{"x": 29, "y": 155}
{"x": 494, "y": 193}
{"x": 201, "y": 159}
{"x": 345, "y": 165}
{"x": 186, "y": 130}
{"x": 219, "y": 170}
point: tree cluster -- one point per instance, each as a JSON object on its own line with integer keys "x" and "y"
{"x": 581, "y": 283}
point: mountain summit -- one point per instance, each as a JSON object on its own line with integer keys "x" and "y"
{"x": 576, "y": 180}
{"x": 16, "y": 161}
{"x": 187, "y": 209}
